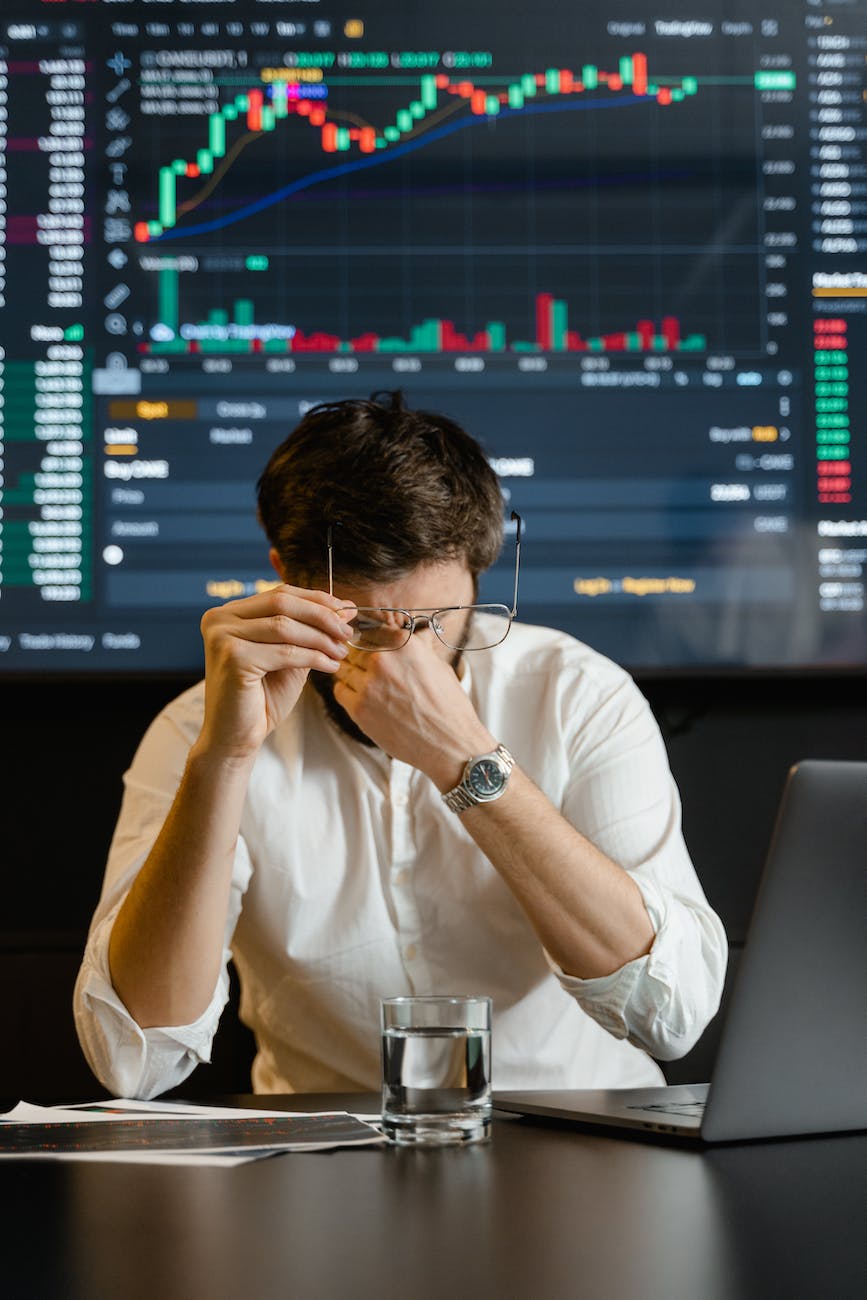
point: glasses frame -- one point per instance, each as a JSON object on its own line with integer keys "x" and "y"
{"x": 427, "y": 615}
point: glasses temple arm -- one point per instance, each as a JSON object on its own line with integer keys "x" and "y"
{"x": 518, "y": 527}
{"x": 330, "y": 562}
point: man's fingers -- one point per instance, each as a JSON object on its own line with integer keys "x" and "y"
{"x": 344, "y": 610}
{"x": 285, "y": 597}
{"x": 287, "y": 613}
{"x": 281, "y": 629}
{"x": 262, "y": 658}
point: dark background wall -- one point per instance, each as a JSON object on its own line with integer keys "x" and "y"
{"x": 66, "y": 745}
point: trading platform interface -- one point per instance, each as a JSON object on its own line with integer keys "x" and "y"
{"x": 628, "y": 253}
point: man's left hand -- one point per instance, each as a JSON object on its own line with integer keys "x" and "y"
{"x": 412, "y": 705}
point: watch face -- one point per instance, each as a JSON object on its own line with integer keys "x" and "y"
{"x": 486, "y": 778}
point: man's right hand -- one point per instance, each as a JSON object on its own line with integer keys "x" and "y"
{"x": 258, "y": 653}
{"x": 166, "y": 945}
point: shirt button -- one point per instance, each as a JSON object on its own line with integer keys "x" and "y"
{"x": 410, "y": 951}
{"x": 401, "y": 799}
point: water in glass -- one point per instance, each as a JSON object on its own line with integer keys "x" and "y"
{"x": 436, "y": 1084}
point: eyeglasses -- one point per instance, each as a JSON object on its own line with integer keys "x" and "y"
{"x": 460, "y": 627}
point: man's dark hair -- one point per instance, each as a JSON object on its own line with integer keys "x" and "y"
{"x": 399, "y": 488}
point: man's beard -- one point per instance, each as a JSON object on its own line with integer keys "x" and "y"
{"x": 323, "y": 685}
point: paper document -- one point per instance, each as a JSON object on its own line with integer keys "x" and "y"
{"x": 149, "y": 1132}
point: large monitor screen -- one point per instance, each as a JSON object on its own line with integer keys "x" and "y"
{"x": 624, "y": 247}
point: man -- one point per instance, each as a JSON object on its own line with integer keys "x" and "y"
{"x": 379, "y": 790}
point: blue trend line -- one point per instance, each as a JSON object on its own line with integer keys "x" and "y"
{"x": 376, "y": 160}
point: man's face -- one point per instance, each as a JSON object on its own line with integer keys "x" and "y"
{"x": 428, "y": 587}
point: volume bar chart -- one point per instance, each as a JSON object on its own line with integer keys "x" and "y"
{"x": 237, "y": 332}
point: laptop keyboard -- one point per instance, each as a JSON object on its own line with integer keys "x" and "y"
{"x": 674, "y": 1108}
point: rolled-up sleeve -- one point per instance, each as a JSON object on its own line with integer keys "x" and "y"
{"x": 130, "y": 1061}
{"x": 624, "y": 799}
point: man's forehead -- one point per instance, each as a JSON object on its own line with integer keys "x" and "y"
{"x": 426, "y": 586}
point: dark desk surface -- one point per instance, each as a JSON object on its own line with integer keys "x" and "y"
{"x": 540, "y": 1212}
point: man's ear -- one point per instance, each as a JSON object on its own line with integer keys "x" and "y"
{"x": 276, "y": 565}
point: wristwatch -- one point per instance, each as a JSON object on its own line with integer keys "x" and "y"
{"x": 485, "y": 778}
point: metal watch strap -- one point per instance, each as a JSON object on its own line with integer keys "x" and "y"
{"x": 461, "y": 797}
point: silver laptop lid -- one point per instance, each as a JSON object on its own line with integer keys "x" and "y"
{"x": 793, "y": 1052}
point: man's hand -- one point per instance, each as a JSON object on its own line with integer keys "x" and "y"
{"x": 258, "y": 653}
{"x": 411, "y": 703}
{"x": 166, "y": 945}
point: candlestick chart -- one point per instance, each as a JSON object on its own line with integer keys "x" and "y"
{"x": 557, "y": 209}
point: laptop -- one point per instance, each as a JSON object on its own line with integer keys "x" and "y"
{"x": 792, "y": 1056}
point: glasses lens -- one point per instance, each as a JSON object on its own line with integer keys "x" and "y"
{"x": 479, "y": 628}
{"x": 380, "y": 629}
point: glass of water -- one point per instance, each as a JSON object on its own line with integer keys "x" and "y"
{"x": 436, "y": 1070}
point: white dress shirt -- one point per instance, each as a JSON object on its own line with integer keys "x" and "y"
{"x": 352, "y": 881}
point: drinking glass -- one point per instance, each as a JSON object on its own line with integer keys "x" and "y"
{"x": 436, "y": 1069}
